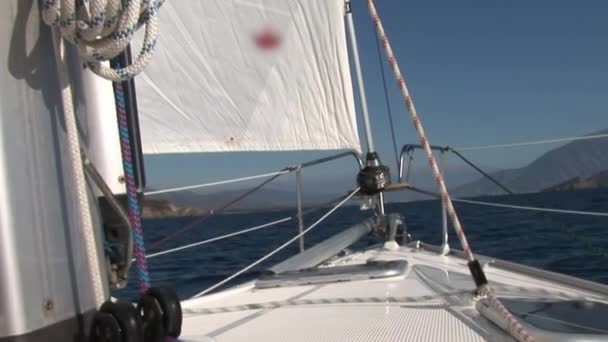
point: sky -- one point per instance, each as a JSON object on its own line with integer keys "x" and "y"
{"x": 480, "y": 72}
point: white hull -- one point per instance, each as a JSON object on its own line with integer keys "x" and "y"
{"x": 394, "y": 308}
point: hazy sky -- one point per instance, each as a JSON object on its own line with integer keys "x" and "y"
{"x": 480, "y": 72}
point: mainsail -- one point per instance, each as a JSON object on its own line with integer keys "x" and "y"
{"x": 248, "y": 75}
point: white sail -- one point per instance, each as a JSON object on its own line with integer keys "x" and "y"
{"x": 248, "y": 75}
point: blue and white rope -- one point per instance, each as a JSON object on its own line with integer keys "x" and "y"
{"x": 133, "y": 204}
{"x": 102, "y": 29}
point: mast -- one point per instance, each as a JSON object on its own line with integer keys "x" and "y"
{"x": 375, "y": 176}
{"x": 362, "y": 95}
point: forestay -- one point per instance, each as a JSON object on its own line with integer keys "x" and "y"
{"x": 248, "y": 75}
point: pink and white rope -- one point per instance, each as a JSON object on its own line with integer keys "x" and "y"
{"x": 418, "y": 125}
{"x": 515, "y": 328}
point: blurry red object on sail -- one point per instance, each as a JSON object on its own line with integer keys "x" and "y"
{"x": 267, "y": 39}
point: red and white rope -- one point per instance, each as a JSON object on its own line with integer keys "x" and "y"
{"x": 515, "y": 328}
{"x": 423, "y": 138}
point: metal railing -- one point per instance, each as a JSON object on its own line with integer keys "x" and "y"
{"x": 298, "y": 169}
{"x": 407, "y": 151}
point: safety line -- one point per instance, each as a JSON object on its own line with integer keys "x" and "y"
{"x": 222, "y": 182}
{"x": 536, "y": 142}
{"x": 280, "y": 248}
{"x": 221, "y": 237}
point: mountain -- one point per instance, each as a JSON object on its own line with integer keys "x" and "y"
{"x": 582, "y": 158}
{"x": 156, "y": 208}
{"x": 264, "y": 198}
{"x": 596, "y": 181}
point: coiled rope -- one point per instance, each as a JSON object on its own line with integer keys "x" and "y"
{"x": 515, "y": 328}
{"x": 102, "y": 29}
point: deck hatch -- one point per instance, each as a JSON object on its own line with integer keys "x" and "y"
{"x": 320, "y": 275}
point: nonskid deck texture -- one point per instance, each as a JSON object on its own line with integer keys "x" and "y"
{"x": 432, "y": 301}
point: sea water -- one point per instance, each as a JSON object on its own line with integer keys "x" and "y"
{"x": 565, "y": 243}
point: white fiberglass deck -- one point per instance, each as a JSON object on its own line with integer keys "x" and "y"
{"x": 415, "y": 306}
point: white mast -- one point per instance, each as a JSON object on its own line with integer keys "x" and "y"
{"x": 362, "y": 97}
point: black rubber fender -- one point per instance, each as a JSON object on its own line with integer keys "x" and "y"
{"x": 172, "y": 309}
{"x": 104, "y": 328}
{"x": 152, "y": 318}
{"x": 128, "y": 318}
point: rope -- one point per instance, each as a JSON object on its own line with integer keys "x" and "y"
{"x": 549, "y": 210}
{"x": 386, "y": 98}
{"x": 518, "y": 331}
{"x": 74, "y": 152}
{"x": 133, "y": 203}
{"x": 418, "y": 125}
{"x": 320, "y": 301}
{"x": 305, "y": 212}
{"x": 539, "y": 294}
{"x": 280, "y": 248}
{"x": 214, "y": 212}
{"x": 102, "y": 29}
{"x": 221, "y": 237}
{"x": 537, "y": 142}
{"x": 515, "y": 328}
{"x": 565, "y": 229}
{"x": 222, "y": 182}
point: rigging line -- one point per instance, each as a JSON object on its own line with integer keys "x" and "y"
{"x": 536, "y": 142}
{"x": 541, "y": 209}
{"x": 424, "y": 142}
{"x": 511, "y": 206}
{"x": 134, "y": 209}
{"x": 222, "y": 182}
{"x": 221, "y": 237}
{"x": 477, "y": 273}
{"x": 595, "y": 250}
{"x": 485, "y": 174}
{"x": 265, "y": 225}
{"x": 280, "y": 248}
{"x": 386, "y": 97}
{"x": 213, "y": 212}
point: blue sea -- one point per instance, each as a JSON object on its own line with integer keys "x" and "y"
{"x": 565, "y": 243}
